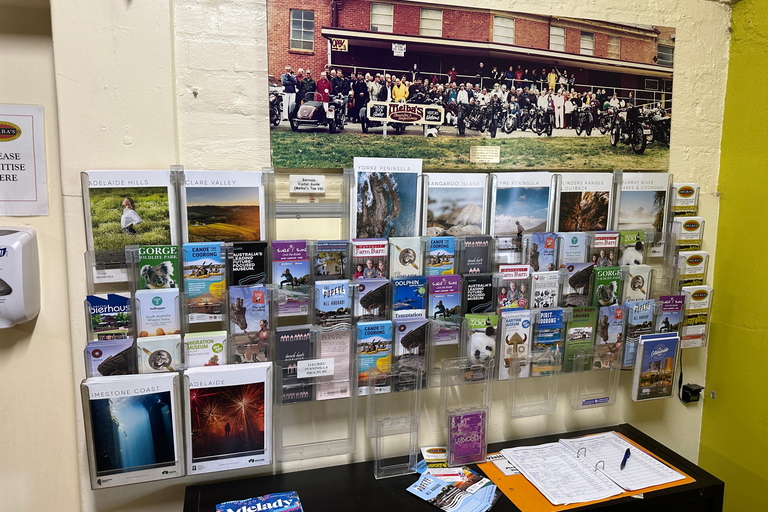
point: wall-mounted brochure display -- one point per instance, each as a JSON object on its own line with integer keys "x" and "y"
{"x": 697, "y": 316}
{"x": 689, "y": 233}
{"x": 685, "y": 199}
{"x": 457, "y": 204}
{"x": 653, "y": 373}
{"x": 692, "y": 268}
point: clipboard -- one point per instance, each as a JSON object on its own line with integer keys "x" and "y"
{"x": 527, "y": 497}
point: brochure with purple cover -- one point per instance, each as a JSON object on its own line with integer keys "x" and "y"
{"x": 466, "y": 436}
{"x": 291, "y": 272}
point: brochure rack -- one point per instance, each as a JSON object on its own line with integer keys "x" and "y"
{"x": 684, "y": 199}
{"x": 392, "y": 420}
{"x": 689, "y": 233}
{"x": 326, "y": 425}
{"x": 596, "y": 377}
{"x": 532, "y": 396}
{"x": 465, "y": 384}
{"x": 691, "y": 268}
{"x": 438, "y": 351}
{"x": 697, "y": 316}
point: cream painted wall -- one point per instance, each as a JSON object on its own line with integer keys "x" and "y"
{"x": 125, "y": 77}
{"x": 37, "y": 432}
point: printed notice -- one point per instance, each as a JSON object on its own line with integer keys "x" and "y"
{"x": 307, "y": 368}
{"x": 22, "y": 161}
{"x": 302, "y": 184}
{"x": 484, "y": 154}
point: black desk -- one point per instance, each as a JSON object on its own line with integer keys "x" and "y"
{"x": 352, "y": 487}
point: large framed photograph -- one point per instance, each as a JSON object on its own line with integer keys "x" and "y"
{"x": 549, "y": 91}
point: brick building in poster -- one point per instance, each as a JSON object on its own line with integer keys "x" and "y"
{"x": 610, "y": 55}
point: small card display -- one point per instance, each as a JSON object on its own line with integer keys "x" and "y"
{"x": 333, "y": 305}
{"x": 294, "y": 344}
{"x": 410, "y": 297}
{"x": 374, "y": 350}
{"x": 110, "y": 357}
{"x": 444, "y": 305}
{"x": 405, "y": 257}
{"x": 157, "y": 312}
{"x": 476, "y": 255}
{"x": 332, "y": 259}
{"x": 249, "y": 263}
{"x": 545, "y": 289}
{"x": 372, "y": 302}
{"x": 606, "y": 286}
{"x": 206, "y": 349}
{"x": 204, "y": 281}
{"x": 441, "y": 255}
{"x": 110, "y": 315}
{"x": 369, "y": 258}
{"x": 291, "y": 272}
{"x": 159, "y": 267}
{"x": 479, "y": 294}
{"x": 515, "y": 342}
{"x": 466, "y": 437}
{"x": 409, "y": 352}
{"x": 159, "y": 354}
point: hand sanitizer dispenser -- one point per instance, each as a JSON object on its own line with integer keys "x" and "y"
{"x": 19, "y": 276}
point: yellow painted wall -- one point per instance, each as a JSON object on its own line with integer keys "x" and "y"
{"x": 734, "y": 434}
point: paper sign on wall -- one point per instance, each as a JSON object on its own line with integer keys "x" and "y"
{"x": 22, "y": 161}
{"x": 303, "y": 184}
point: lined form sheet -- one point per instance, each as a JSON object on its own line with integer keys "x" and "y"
{"x": 641, "y": 469}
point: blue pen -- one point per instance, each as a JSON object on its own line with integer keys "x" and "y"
{"x": 624, "y": 460}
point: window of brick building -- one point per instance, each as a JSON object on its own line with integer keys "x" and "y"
{"x": 381, "y": 17}
{"x": 587, "y": 43}
{"x": 431, "y": 23}
{"x": 666, "y": 55}
{"x": 557, "y": 38}
{"x": 503, "y": 30}
{"x": 302, "y": 30}
{"x": 614, "y": 47}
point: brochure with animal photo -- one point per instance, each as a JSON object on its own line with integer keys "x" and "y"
{"x": 294, "y": 344}
{"x": 577, "y": 290}
{"x": 585, "y": 201}
{"x": 249, "y": 323}
{"x": 457, "y": 204}
{"x": 374, "y": 356}
{"x": 106, "y": 358}
{"x": 248, "y": 266}
{"x": 654, "y": 371}
{"x": 466, "y": 436}
{"x": 606, "y": 286}
{"x": 126, "y": 207}
{"x": 334, "y": 345}
{"x": 478, "y": 294}
{"x": 481, "y": 347}
{"x": 133, "y": 428}
{"x": 573, "y": 248}
{"x": 206, "y": 349}
{"x": 409, "y": 353}
{"x": 671, "y": 315}
{"x": 698, "y": 304}
{"x": 644, "y": 205}
{"x": 370, "y": 259}
{"x": 631, "y": 248}
{"x": 228, "y": 414}
{"x": 388, "y": 201}
{"x": 476, "y": 253}
{"x": 545, "y": 289}
{"x": 405, "y": 257}
{"x": 291, "y": 272}
{"x": 639, "y": 322}
{"x": 541, "y": 251}
{"x": 442, "y": 251}
{"x": 110, "y": 315}
{"x": 686, "y": 199}
{"x": 372, "y": 300}
{"x": 580, "y": 337}
{"x": 160, "y": 354}
{"x": 516, "y": 343}
{"x": 409, "y": 297}
{"x": 444, "y": 305}
{"x": 513, "y": 289}
{"x": 521, "y": 202}
{"x": 204, "y": 282}
{"x": 692, "y": 268}
{"x": 333, "y": 305}
{"x": 157, "y": 312}
{"x": 640, "y": 279}
{"x": 223, "y": 206}
{"x": 332, "y": 260}
{"x": 547, "y": 345}
{"x": 604, "y": 248}
{"x": 610, "y": 331}
{"x": 159, "y": 267}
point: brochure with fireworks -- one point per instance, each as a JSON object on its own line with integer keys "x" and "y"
{"x": 249, "y": 313}
{"x": 547, "y": 344}
{"x": 692, "y": 268}
{"x": 671, "y": 315}
{"x": 409, "y": 298}
{"x": 110, "y": 316}
{"x": 206, "y": 349}
{"x": 654, "y": 369}
{"x": 573, "y": 248}
{"x": 334, "y": 345}
{"x": 441, "y": 254}
{"x": 133, "y": 428}
{"x": 291, "y": 272}
{"x": 580, "y": 337}
{"x": 478, "y": 294}
{"x": 223, "y": 206}
{"x": 639, "y": 284}
{"x": 405, "y": 257}
{"x": 248, "y": 266}
{"x": 515, "y": 343}
{"x": 545, "y": 289}
{"x": 541, "y": 251}
{"x": 643, "y": 206}
{"x": 204, "y": 282}
{"x": 608, "y": 341}
{"x": 466, "y": 436}
{"x": 294, "y": 344}
{"x": 514, "y": 286}
{"x": 159, "y": 267}
{"x": 576, "y": 293}
{"x": 372, "y": 300}
{"x": 409, "y": 350}
{"x": 126, "y": 207}
{"x": 160, "y": 354}
{"x": 228, "y": 417}
{"x": 157, "y": 312}
{"x": 444, "y": 305}
{"x": 475, "y": 254}
{"x": 388, "y": 197}
{"x": 606, "y": 286}
{"x": 585, "y": 201}
{"x": 686, "y": 199}
{"x": 332, "y": 260}
{"x": 333, "y": 305}
{"x": 105, "y": 358}
{"x": 639, "y": 322}
{"x": 370, "y": 258}
{"x": 457, "y": 204}
{"x": 521, "y": 202}
{"x": 698, "y": 307}
{"x": 374, "y": 349}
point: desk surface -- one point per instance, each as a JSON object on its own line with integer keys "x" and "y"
{"x": 352, "y": 486}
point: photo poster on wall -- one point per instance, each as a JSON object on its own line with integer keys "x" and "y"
{"x": 335, "y": 56}
{"x": 457, "y": 204}
{"x": 223, "y": 206}
{"x": 126, "y": 207}
{"x": 387, "y": 198}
